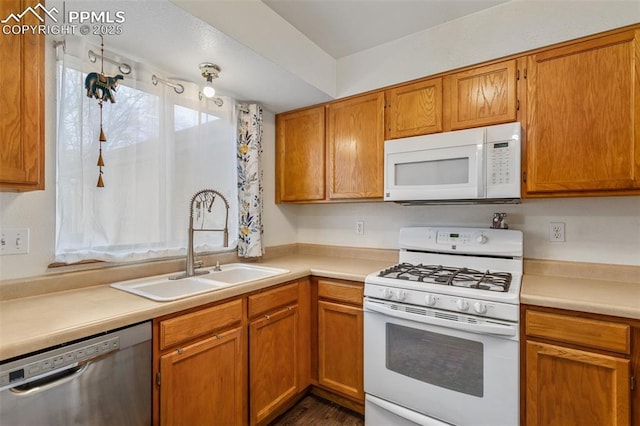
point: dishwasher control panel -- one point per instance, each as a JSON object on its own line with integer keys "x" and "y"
{"x": 40, "y": 365}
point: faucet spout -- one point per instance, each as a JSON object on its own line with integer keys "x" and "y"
{"x": 205, "y": 197}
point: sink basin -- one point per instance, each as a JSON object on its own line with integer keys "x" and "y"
{"x": 240, "y": 273}
{"x": 163, "y": 289}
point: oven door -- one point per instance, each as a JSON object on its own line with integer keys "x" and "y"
{"x": 442, "y": 365}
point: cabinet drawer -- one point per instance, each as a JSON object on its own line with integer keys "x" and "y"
{"x": 580, "y": 331}
{"x": 348, "y": 293}
{"x": 189, "y": 326}
{"x": 264, "y": 302}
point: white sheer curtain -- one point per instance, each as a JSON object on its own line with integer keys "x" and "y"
{"x": 161, "y": 148}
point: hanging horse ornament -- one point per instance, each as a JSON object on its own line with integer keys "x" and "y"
{"x": 102, "y": 88}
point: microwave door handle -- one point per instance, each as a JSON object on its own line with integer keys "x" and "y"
{"x": 480, "y": 161}
{"x": 482, "y": 328}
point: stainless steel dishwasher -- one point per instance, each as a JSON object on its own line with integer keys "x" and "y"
{"x": 101, "y": 380}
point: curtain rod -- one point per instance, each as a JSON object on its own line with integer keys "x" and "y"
{"x": 123, "y": 67}
{"x": 217, "y": 101}
{"x": 177, "y": 87}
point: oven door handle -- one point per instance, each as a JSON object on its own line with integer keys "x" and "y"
{"x": 480, "y": 328}
{"x": 404, "y": 413}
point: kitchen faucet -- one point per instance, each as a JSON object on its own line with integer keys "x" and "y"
{"x": 202, "y": 200}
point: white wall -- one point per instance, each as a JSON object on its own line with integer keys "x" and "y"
{"x": 35, "y": 210}
{"x": 280, "y": 222}
{"x": 603, "y": 230}
{"x": 505, "y": 29}
{"x": 600, "y": 230}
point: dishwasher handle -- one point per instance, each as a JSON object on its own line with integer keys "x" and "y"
{"x": 56, "y": 378}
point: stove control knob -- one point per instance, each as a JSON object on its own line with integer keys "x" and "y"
{"x": 480, "y": 308}
{"x": 388, "y": 293}
{"x": 430, "y": 300}
{"x": 401, "y": 295}
{"x": 481, "y": 239}
{"x": 462, "y": 305}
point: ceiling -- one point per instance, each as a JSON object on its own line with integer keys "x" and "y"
{"x": 250, "y": 39}
{"x": 344, "y": 27}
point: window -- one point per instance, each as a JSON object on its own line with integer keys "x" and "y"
{"x": 161, "y": 148}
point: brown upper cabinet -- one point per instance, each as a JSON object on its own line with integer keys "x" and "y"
{"x": 332, "y": 152}
{"x": 482, "y": 96}
{"x": 300, "y": 155}
{"x": 22, "y": 104}
{"x": 578, "y": 102}
{"x": 355, "y": 146}
{"x": 583, "y": 118}
{"x": 413, "y": 109}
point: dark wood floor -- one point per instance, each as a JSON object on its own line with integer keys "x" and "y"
{"x": 313, "y": 410}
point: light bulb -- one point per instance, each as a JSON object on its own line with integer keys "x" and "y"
{"x": 208, "y": 91}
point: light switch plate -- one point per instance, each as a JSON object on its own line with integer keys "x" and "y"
{"x": 14, "y": 241}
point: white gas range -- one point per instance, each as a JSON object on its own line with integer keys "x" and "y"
{"x": 441, "y": 329}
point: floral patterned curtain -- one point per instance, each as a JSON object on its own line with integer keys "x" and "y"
{"x": 250, "y": 181}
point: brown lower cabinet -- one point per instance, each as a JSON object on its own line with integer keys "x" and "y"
{"x": 579, "y": 369}
{"x": 340, "y": 338}
{"x": 238, "y": 362}
{"x": 200, "y": 367}
{"x": 278, "y": 349}
{"x": 196, "y": 397}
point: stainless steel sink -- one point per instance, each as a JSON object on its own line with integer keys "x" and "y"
{"x": 162, "y": 289}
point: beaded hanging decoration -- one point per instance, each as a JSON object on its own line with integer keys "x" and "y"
{"x": 102, "y": 88}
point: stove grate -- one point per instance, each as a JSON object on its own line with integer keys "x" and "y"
{"x": 453, "y": 276}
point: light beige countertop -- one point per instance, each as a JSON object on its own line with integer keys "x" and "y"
{"x": 36, "y": 322}
{"x": 586, "y": 287}
{"x": 65, "y": 307}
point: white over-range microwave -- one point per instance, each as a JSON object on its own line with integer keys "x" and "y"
{"x": 480, "y": 165}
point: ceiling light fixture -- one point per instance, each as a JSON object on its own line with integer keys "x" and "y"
{"x": 209, "y": 71}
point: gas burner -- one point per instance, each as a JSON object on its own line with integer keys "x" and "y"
{"x": 453, "y": 276}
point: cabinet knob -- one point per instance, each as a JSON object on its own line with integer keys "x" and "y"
{"x": 267, "y": 317}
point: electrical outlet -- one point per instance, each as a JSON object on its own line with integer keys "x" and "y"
{"x": 556, "y": 232}
{"x": 14, "y": 241}
{"x": 360, "y": 227}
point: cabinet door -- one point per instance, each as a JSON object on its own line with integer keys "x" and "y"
{"x": 573, "y": 387}
{"x": 583, "y": 117}
{"x": 273, "y": 362}
{"x": 204, "y": 383}
{"x": 300, "y": 155}
{"x": 340, "y": 348}
{"x": 355, "y": 139}
{"x": 22, "y": 104}
{"x": 414, "y": 109}
{"x": 483, "y": 96}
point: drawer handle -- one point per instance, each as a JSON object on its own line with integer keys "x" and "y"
{"x": 180, "y": 351}
{"x": 267, "y": 317}
{"x": 217, "y": 336}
